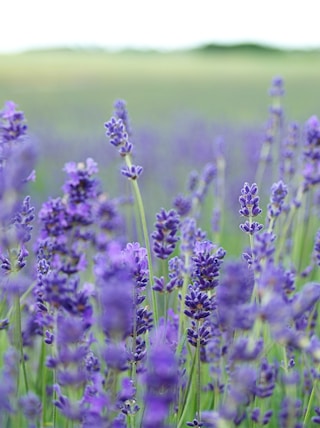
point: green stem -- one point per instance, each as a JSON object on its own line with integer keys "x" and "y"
{"x": 183, "y": 293}
{"x": 189, "y": 396}
{"x": 17, "y": 340}
{"x": 310, "y": 401}
{"x": 146, "y": 238}
{"x": 198, "y": 377}
{"x": 42, "y": 370}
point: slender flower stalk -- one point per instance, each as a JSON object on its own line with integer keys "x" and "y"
{"x": 119, "y": 137}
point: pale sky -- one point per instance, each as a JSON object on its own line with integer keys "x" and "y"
{"x": 159, "y": 24}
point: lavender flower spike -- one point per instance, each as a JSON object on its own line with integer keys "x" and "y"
{"x": 249, "y": 200}
{"x": 278, "y": 193}
{"x": 161, "y": 382}
{"x": 165, "y": 238}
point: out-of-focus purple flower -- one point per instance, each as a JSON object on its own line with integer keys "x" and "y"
{"x": 165, "y": 235}
{"x": 305, "y": 300}
{"x": 182, "y": 204}
{"x": 12, "y": 123}
{"x": 278, "y": 193}
{"x": 133, "y": 172}
{"x": 176, "y": 271}
{"x": 161, "y": 381}
{"x": 261, "y": 419}
{"x": 266, "y": 381}
{"x": 121, "y": 112}
{"x": 109, "y": 219}
{"x": 311, "y": 152}
{"x": 190, "y": 234}
{"x": 17, "y": 234}
{"x": 244, "y": 349}
{"x": 80, "y": 185}
{"x": 205, "y": 179}
{"x": 31, "y": 406}
{"x": 316, "y": 248}
{"x": 138, "y": 262}
{"x": 117, "y": 133}
{"x": 276, "y": 92}
{"x": 312, "y": 147}
{"x": 116, "y": 356}
{"x": 8, "y": 381}
{"x": 241, "y": 392}
{"x": 288, "y": 159}
{"x": 290, "y": 413}
{"x": 277, "y": 87}
{"x": 55, "y": 220}
{"x": 193, "y": 181}
{"x": 115, "y": 291}
{"x": 233, "y": 297}
{"x": 71, "y": 410}
{"x": 316, "y": 419}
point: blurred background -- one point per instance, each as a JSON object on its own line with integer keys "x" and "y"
{"x": 195, "y": 77}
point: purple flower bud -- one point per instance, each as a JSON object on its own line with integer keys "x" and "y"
{"x": 31, "y": 406}
{"x": 133, "y": 172}
{"x": 121, "y": 112}
{"x": 182, "y": 204}
{"x": 278, "y": 193}
{"x": 277, "y": 87}
{"x": 251, "y": 228}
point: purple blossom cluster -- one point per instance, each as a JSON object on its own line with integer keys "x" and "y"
{"x": 100, "y": 329}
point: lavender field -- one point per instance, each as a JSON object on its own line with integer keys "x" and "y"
{"x": 160, "y": 265}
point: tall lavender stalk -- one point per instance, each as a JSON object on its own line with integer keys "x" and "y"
{"x": 118, "y": 133}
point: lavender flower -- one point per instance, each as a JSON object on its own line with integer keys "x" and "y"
{"x": 316, "y": 248}
{"x": 198, "y": 303}
{"x": 133, "y": 172}
{"x": 12, "y": 123}
{"x": 161, "y": 380}
{"x": 311, "y": 153}
{"x": 31, "y": 407}
{"x": 278, "y": 193}
{"x": 182, "y": 204}
{"x": 251, "y": 228}
{"x": 165, "y": 236}
{"x": 121, "y": 112}
{"x": 288, "y": 159}
{"x": 117, "y": 133}
{"x": 277, "y": 87}
{"x": 290, "y": 413}
{"x": 249, "y": 201}
{"x": 207, "y": 260}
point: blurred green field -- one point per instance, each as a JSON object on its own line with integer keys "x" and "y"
{"x": 73, "y": 92}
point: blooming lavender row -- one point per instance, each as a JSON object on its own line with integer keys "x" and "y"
{"x": 100, "y": 330}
